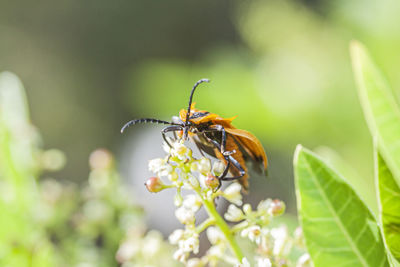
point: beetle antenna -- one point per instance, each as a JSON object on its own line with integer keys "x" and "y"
{"x": 144, "y": 120}
{"x": 191, "y": 97}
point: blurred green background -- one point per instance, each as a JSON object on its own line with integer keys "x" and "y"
{"x": 281, "y": 66}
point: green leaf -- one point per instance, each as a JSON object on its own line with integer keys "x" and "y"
{"x": 389, "y": 206}
{"x": 381, "y": 111}
{"x": 339, "y": 229}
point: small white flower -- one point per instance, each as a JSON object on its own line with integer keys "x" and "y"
{"x": 245, "y": 263}
{"x": 190, "y": 244}
{"x": 253, "y": 233}
{"x": 179, "y": 150}
{"x": 204, "y": 165}
{"x": 156, "y": 165}
{"x": 214, "y": 235}
{"x": 233, "y": 214}
{"x": 180, "y": 255}
{"x": 280, "y": 234}
{"x": 192, "y": 202}
{"x": 232, "y": 193}
{"x": 160, "y": 167}
{"x": 264, "y": 262}
{"x": 184, "y": 215}
{"x": 176, "y": 236}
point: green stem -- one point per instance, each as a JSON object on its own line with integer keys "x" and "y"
{"x": 204, "y": 225}
{"x": 223, "y": 226}
{"x": 239, "y": 227}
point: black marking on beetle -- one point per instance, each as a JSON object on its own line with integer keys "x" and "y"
{"x": 198, "y": 115}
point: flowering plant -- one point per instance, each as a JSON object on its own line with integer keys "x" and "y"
{"x": 199, "y": 177}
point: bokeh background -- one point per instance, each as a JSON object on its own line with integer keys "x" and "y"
{"x": 281, "y": 66}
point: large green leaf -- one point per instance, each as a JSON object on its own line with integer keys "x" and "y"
{"x": 380, "y": 108}
{"x": 389, "y": 206}
{"x": 339, "y": 229}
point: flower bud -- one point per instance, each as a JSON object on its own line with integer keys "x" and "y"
{"x": 176, "y": 236}
{"x": 211, "y": 181}
{"x": 204, "y": 165}
{"x": 232, "y": 193}
{"x": 234, "y": 214}
{"x": 247, "y": 208}
{"x": 192, "y": 202}
{"x": 194, "y": 166}
{"x": 193, "y": 181}
{"x": 185, "y": 216}
{"x": 218, "y": 167}
{"x": 154, "y": 185}
{"x": 214, "y": 235}
{"x": 277, "y": 207}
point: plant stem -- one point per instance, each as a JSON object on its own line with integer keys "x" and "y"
{"x": 204, "y": 225}
{"x": 223, "y": 226}
{"x": 239, "y": 227}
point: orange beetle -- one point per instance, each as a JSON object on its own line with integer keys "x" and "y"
{"x": 215, "y": 136}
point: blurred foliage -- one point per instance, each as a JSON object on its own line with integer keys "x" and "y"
{"x": 49, "y": 223}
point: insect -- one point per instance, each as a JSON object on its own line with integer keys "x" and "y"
{"x": 215, "y": 136}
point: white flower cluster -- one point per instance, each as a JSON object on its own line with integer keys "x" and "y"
{"x": 187, "y": 241}
{"x": 140, "y": 249}
{"x": 274, "y": 244}
{"x": 199, "y": 176}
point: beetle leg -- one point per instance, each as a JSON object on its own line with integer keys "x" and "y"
{"x": 219, "y": 128}
{"x": 172, "y": 128}
{"x": 229, "y": 159}
{"x": 223, "y": 138}
{"x": 237, "y": 166}
{"x": 225, "y": 172}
